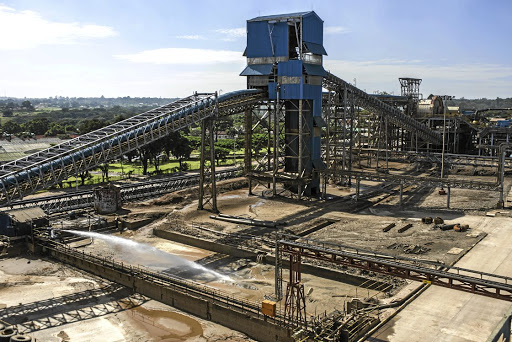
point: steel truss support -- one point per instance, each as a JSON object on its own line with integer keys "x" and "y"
{"x": 207, "y": 183}
{"x": 248, "y": 146}
{"x": 340, "y": 135}
{"x": 297, "y": 149}
{"x": 58, "y": 163}
{"x": 481, "y": 283}
{"x": 295, "y": 302}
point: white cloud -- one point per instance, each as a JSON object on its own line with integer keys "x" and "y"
{"x": 191, "y": 37}
{"x": 28, "y": 29}
{"x": 184, "y": 56}
{"x": 233, "y": 33}
{"x": 336, "y": 30}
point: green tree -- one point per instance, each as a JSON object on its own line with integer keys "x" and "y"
{"x": 180, "y": 147}
{"x": 195, "y": 142}
{"x": 89, "y": 125}
{"x": 7, "y": 112}
{"x": 37, "y": 126}
{"x": 12, "y": 127}
{"x": 27, "y": 105}
{"x": 54, "y": 128}
{"x": 221, "y": 154}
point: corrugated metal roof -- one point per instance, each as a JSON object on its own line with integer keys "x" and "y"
{"x": 281, "y": 16}
{"x": 257, "y": 70}
{"x": 314, "y": 69}
{"x": 315, "y": 48}
{"x": 28, "y": 214}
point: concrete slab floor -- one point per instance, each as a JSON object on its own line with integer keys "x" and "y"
{"x": 441, "y": 314}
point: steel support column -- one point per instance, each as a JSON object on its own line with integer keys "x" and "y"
{"x": 207, "y": 184}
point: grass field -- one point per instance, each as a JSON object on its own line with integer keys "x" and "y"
{"x": 118, "y": 171}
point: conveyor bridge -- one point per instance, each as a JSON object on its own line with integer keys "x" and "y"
{"x": 43, "y": 169}
{"x": 56, "y": 164}
{"x": 394, "y": 115}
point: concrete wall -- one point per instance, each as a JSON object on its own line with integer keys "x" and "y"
{"x": 204, "y": 244}
{"x": 246, "y": 322}
{"x": 269, "y": 259}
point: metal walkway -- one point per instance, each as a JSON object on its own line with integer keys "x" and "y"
{"x": 485, "y": 284}
{"x": 420, "y": 181}
{"x": 394, "y": 115}
{"x": 129, "y": 192}
{"x": 51, "y": 166}
{"x": 449, "y": 158}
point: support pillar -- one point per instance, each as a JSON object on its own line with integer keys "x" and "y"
{"x": 295, "y": 302}
{"x": 207, "y": 182}
{"x": 276, "y": 143}
{"x": 401, "y": 193}
{"x": 299, "y": 164}
{"x": 248, "y": 146}
{"x": 448, "y": 198}
{"x": 358, "y": 185}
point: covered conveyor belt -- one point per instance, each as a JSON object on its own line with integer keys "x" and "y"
{"x": 393, "y": 114}
{"x": 51, "y": 166}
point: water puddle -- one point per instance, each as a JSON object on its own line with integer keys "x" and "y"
{"x": 166, "y": 325}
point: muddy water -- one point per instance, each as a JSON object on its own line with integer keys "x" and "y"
{"x": 166, "y": 326}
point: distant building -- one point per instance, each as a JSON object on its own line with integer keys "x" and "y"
{"x": 453, "y": 110}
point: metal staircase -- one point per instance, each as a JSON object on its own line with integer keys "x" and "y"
{"x": 394, "y": 115}
{"x": 51, "y": 166}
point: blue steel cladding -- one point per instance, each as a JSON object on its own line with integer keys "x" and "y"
{"x": 290, "y": 68}
{"x": 259, "y": 43}
{"x": 313, "y": 29}
{"x": 68, "y": 160}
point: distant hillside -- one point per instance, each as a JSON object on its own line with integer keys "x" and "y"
{"x": 87, "y": 102}
{"x": 481, "y": 103}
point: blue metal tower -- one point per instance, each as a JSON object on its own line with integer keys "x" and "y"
{"x": 284, "y": 57}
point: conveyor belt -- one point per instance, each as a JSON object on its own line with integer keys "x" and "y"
{"x": 394, "y": 115}
{"x": 51, "y": 166}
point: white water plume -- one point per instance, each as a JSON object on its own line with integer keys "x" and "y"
{"x": 138, "y": 253}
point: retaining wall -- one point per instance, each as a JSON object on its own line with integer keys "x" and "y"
{"x": 247, "y": 323}
{"x": 269, "y": 259}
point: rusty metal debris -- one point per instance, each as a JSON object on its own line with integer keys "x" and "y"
{"x": 409, "y": 249}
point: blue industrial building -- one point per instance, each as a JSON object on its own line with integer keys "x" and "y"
{"x": 284, "y": 57}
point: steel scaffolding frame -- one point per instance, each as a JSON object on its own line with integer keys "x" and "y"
{"x": 207, "y": 184}
{"x": 462, "y": 279}
{"x": 394, "y": 115}
{"x": 129, "y": 192}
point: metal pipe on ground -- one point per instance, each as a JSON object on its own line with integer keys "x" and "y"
{"x": 246, "y": 221}
{"x": 388, "y": 227}
{"x": 404, "y": 228}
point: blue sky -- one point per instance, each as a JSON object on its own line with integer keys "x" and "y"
{"x": 172, "y": 48}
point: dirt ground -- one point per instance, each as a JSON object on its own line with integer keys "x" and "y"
{"x": 54, "y": 300}
{"x": 57, "y": 302}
